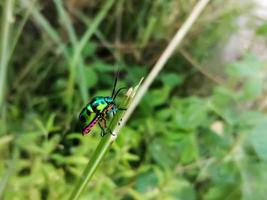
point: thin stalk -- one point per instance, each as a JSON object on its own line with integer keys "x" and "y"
{"x": 5, "y": 49}
{"x": 132, "y": 100}
{"x": 174, "y": 43}
{"x": 65, "y": 20}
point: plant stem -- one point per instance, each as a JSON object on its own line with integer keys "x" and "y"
{"x": 6, "y": 24}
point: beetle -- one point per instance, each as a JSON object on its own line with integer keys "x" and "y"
{"x": 98, "y": 109}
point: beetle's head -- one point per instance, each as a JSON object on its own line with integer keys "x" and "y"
{"x": 109, "y": 100}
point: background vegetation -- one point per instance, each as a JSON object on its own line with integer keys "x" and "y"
{"x": 199, "y": 133}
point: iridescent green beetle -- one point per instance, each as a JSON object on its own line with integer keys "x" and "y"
{"x": 98, "y": 109}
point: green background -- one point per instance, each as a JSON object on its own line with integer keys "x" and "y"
{"x": 199, "y": 133}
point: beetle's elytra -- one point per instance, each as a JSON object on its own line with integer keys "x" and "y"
{"x": 97, "y": 111}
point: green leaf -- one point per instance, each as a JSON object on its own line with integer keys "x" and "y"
{"x": 102, "y": 67}
{"x": 163, "y": 154}
{"x": 146, "y": 181}
{"x": 222, "y": 97}
{"x": 262, "y": 30}
{"x": 253, "y": 88}
{"x": 89, "y": 49}
{"x": 258, "y": 139}
{"x": 188, "y": 149}
{"x": 254, "y": 177}
{"x": 181, "y": 189}
{"x": 172, "y": 79}
{"x": 158, "y": 97}
{"x": 250, "y": 66}
{"x": 164, "y": 114}
{"x": 190, "y": 113}
{"x": 91, "y": 77}
{"x": 250, "y": 118}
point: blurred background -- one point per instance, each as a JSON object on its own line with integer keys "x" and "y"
{"x": 199, "y": 133}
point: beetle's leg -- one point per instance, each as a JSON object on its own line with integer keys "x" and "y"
{"x": 122, "y": 108}
{"x": 103, "y": 132}
{"x": 108, "y": 129}
{"x": 104, "y": 123}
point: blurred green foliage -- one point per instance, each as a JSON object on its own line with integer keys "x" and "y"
{"x": 189, "y": 139}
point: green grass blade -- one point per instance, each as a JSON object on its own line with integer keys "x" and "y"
{"x": 64, "y": 18}
{"x": 18, "y": 32}
{"x": 87, "y": 21}
{"x": 90, "y": 31}
{"x": 76, "y": 59}
{"x": 10, "y": 171}
{"x": 5, "y": 49}
{"x": 46, "y": 27}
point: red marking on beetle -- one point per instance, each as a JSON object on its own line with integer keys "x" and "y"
{"x": 87, "y": 129}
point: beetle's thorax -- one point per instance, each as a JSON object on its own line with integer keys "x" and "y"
{"x": 109, "y": 100}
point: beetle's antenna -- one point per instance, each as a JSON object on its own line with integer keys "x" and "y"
{"x": 118, "y": 91}
{"x": 115, "y": 84}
